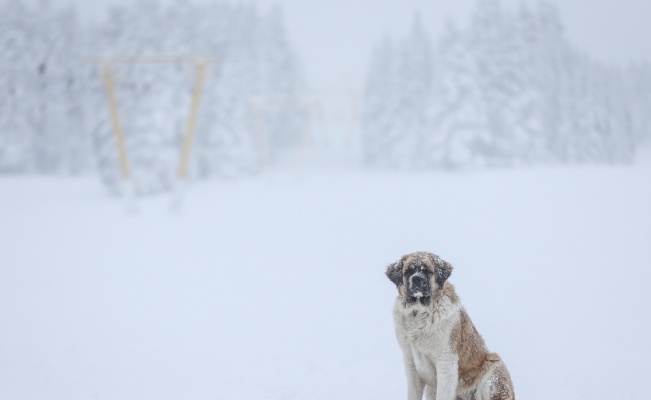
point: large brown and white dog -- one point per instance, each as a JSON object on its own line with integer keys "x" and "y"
{"x": 445, "y": 357}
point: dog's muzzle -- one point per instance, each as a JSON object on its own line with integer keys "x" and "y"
{"x": 418, "y": 288}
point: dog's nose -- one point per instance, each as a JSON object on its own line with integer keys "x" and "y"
{"x": 417, "y": 281}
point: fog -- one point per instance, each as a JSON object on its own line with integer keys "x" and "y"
{"x": 198, "y": 200}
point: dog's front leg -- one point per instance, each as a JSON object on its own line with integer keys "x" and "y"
{"x": 447, "y": 377}
{"x": 415, "y": 385}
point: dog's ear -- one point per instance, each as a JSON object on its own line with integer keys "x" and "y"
{"x": 394, "y": 272}
{"x": 442, "y": 271}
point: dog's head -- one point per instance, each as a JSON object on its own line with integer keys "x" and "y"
{"x": 419, "y": 276}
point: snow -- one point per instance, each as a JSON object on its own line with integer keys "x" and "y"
{"x": 274, "y": 287}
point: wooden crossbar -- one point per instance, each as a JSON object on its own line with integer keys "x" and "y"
{"x": 155, "y": 59}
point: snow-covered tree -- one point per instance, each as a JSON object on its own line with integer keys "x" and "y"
{"x": 414, "y": 93}
{"x": 496, "y": 76}
{"x": 16, "y": 102}
{"x": 459, "y": 128}
{"x": 395, "y": 108}
{"x": 281, "y": 83}
{"x": 526, "y": 111}
{"x": 379, "y": 107}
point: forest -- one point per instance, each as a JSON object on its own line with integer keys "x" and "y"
{"x": 506, "y": 88}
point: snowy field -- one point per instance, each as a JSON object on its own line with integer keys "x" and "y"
{"x": 274, "y": 287}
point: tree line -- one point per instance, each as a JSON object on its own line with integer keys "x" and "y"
{"x": 507, "y": 89}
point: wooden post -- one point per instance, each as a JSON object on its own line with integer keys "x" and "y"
{"x": 115, "y": 119}
{"x": 192, "y": 118}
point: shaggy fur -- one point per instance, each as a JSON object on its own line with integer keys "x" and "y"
{"x": 445, "y": 357}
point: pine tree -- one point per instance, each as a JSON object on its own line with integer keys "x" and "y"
{"x": 280, "y": 83}
{"x": 232, "y": 139}
{"x": 414, "y": 91}
{"x": 494, "y": 51}
{"x": 16, "y": 102}
{"x": 66, "y": 141}
{"x": 527, "y": 104}
{"x": 397, "y": 101}
{"x": 459, "y": 125}
{"x": 379, "y": 129}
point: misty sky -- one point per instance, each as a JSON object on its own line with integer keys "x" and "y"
{"x": 334, "y": 38}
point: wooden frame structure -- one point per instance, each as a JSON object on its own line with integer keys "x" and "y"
{"x": 201, "y": 65}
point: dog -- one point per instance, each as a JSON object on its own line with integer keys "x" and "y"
{"x": 445, "y": 357}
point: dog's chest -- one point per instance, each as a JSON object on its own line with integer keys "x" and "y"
{"x": 425, "y": 333}
{"x": 427, "y": 338}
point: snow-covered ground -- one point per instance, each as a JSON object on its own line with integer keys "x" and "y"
{"x": 274, "y": 287}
